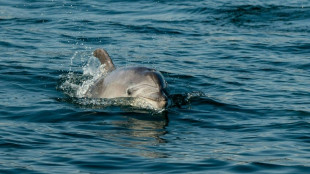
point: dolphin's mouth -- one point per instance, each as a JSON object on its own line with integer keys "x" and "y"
{"x": 156, "y": 99}
{"x": 150, "y": 92}
{"x": 154, "y": 95}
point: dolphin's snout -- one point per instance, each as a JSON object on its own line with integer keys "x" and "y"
{"x": 162, "y": 100}
{"x": 159, "y": 99}
{"x": 157, "y": 96}
{"x": 163, "y": 103}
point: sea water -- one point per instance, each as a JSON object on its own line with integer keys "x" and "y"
{"x": 237, "y": 71}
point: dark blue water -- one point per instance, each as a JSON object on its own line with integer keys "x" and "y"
{"x": 238, "y": 75}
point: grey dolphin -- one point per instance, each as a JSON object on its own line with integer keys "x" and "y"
{"x": 145, "y": 85}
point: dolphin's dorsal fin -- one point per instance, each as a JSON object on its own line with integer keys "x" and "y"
{"x": 104, "y": 59}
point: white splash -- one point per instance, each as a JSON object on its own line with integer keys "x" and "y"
{"x": 93, "y": 69}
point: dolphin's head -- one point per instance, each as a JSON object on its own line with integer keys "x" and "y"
{"x": 145, "y": 85}
{"x": 149, "y": 86}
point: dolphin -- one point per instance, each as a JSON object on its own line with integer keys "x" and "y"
{"x": 145, "y": 85}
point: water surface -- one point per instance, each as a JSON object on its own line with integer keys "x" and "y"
{"x": 238, "y": 75}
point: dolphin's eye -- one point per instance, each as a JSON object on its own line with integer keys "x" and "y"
{"x": 129, "y": 92}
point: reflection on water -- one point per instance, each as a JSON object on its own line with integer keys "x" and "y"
{"x": 139, "y": 131}
{"x": 254, "y": 117}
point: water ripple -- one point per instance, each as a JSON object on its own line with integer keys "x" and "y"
{"x": 237, "y": 73}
